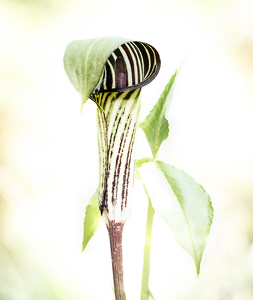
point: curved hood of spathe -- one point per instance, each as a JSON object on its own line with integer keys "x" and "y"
{"x": 110, "y": 64}
{"x": 132, "y": 65}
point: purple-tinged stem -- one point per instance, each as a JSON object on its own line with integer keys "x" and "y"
{"x": 115, "y": 233}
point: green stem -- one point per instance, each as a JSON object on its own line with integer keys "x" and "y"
{"x": 147, "y": 250}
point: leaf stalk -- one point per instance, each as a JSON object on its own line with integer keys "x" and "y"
{"x": 147, "y": 251}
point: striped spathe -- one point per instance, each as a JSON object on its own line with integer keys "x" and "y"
{"x": 131, "y": 66}
{"x": 117, "y": 123}
{"x": 117, "y": 95}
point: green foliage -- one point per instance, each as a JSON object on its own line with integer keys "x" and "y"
{"x": 92, "y": 219}
{"x": 155, "y": 125}
{"x": 192, "y": 221}
{"x": 84, "y": 61}
{"x": 140, "y": 162}
{"x": 190, "y": 217}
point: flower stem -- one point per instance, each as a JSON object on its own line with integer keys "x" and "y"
{"x": 115, "y": 230}
{"x": 146, "y": 257}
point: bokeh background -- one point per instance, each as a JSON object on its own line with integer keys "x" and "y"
{"x": 48, "y": 150}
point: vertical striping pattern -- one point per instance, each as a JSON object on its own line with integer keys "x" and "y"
{"x": 117, "y": 120}
{"x": 131, "y": 66}
{"x": 117, "y": 95}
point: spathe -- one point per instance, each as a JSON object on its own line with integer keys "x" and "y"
{"x": 88, "y": 64}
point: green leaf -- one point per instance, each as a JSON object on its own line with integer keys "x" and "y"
{"x": 191, "y": 224}
{"x": 155, "y": 125}
{"x": 141, "y": 161}
{"x": 84, "y": 61}
{"x": 92, "y": 219}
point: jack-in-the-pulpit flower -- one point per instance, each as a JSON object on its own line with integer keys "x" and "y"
{"x": 111, "y": 72}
